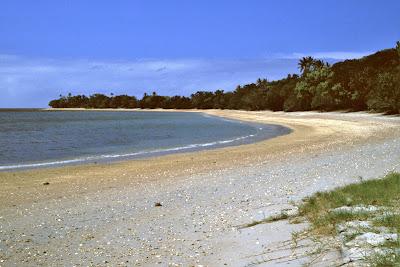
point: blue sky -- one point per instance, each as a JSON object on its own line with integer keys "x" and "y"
{"x": 49, "y": 48}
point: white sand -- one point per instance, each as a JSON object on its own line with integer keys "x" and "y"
{"x": 105, "y": 215}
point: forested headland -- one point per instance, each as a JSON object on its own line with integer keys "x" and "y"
{"x": 370, "y": 83}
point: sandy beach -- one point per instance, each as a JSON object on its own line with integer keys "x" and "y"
{"x": 104, "y": 214}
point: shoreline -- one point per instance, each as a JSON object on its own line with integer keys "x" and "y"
{"x": 106, "y": 214}
{"x": 261, "y": 132}
{"x": 311, "y": 131}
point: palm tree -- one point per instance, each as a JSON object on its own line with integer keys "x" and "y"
{"x": 317, "y": 64}
{"x": 261, "y": 82}
{"x": 305, "y": 64}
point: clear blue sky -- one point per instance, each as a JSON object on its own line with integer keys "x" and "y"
{"x": 175, "y": 47}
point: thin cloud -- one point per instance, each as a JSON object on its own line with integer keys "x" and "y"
{"x": 334, "y": 55}
{"x": 30, "y": 82}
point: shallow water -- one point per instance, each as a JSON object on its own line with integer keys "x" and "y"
{"x": 30, "y": 139}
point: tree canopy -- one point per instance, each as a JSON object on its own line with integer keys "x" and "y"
{"x": 369, "y": 83}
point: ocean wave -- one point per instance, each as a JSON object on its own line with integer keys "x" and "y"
{"x": 126, "y": 155}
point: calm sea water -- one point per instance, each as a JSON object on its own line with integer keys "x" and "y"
{"x": 31, "y": 139}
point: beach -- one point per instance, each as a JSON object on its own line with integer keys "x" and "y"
{"x": 105, "y": 214}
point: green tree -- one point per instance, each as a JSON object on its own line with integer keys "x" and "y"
{"x": 315, "y": 90}
{"x": 99, "y": 101}
{"x": 386, "y": 97}
{"x": 305, "y": 64}
{"x": 371, "y": 82}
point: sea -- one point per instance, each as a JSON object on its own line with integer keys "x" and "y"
{"x": 37, "y": 138}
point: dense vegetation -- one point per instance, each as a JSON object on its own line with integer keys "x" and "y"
{"x": 369, "y": 83}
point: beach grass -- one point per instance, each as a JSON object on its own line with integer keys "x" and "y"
{"x": 383, "y": 193}
{"x": 274, "y": 218}
{"x": 378, "y": 192}
{"x": 376, "y": 202}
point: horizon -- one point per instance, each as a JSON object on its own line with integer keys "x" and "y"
{"x": 48, "y": 49}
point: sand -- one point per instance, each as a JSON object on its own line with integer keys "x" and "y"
{"x": 105, "y": 215}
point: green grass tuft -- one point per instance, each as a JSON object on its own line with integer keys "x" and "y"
{"x": 379, "y": 192}
{"x": 391, "y": 221}
{"x": 388, "y": 260}
{"x": 274, "y": 218}
{"x": 384, "y": 192}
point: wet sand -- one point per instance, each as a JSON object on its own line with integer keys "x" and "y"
{"x": 105, "y": 214}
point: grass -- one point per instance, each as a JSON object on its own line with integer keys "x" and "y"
{"x": 318, "y": 211}
{"x": 379, "y": 192}
{"x": 274, "y": 218}
{"x": 391, "y": 220}
{"x": 384, "y": 192}
{"x": 392, "y": 259}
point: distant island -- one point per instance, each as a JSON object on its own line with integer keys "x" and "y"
{"x": 370, "y": 83}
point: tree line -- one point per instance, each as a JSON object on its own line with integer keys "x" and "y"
{"x": 370, "y": 83}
